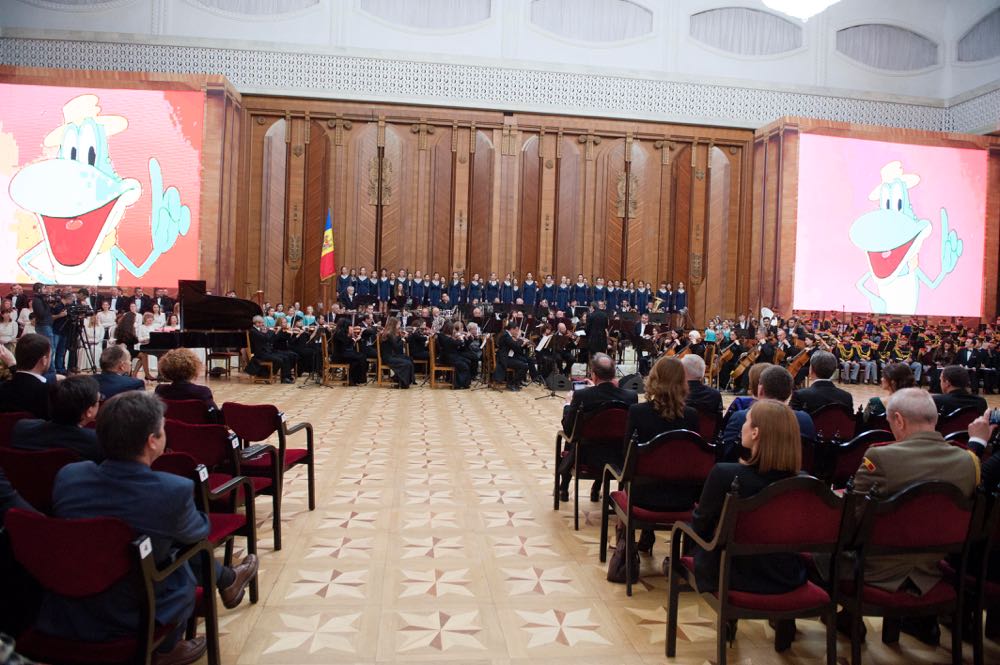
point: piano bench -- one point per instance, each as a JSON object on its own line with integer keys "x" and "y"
{"x": 227, "y": 359}
{"x": 331, "y": 371}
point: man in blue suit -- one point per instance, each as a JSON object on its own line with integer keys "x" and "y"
{"x": 114, "y": 377}
{"x": 775, "y": 383}
{"x": 159, "y": 505}
{"x": 74, "y": 405}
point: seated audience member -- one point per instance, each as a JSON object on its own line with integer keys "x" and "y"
{"x": 705, "y": 399}
{"x": 895, "y": 376}
{"x": 160, "y": 505}
{"x": 603, "y": 389}
{"x": 920, "y": 453}
{"x": 955, "y": 392}
{"x": 822, "y": 370}
{"x": 116, "y": 364}
{"x": 29, "y": 388}
{"x": 74, "y": 404}
{"x": 771, "y": 434}
{"x": 17, "y": 589}
{"x": 742, "y": 402}
{"x": 775, "y": 384}
{"x": 180, "y": 367}
{"x": 664, "y": 410}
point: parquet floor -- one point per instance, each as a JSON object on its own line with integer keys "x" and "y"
{"x": 434, "y": 540}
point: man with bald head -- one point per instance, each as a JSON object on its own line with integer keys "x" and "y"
{"x": 920, "y": 453}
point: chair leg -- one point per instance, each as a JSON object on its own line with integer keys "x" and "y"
{"x": 673, "y": 597}
{"x": 831, "y": 637}
{"x": 890, "y": 630}
{"x": 629, "y": 537}
{"x": 721, "y": 635}
{"x": 856, "y": 625}
{"x": 227, "y": 559}
{"x": 312, "y": 482}
{"x": 956, "y": 635}
{"x": 605, "y": 516}
{"x": 977, "y": 635}
{"x": 576, "y": 502}
{"x": 276, "y": 517}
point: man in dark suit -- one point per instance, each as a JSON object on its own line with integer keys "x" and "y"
{"x": 143, "y": 303}
{"x": 511, "y": 355}
{"x": 603, "y": 389}
{"x": 159, "y": 505}
{"x": 823, "y": 367}
{"x": 597, "y": 329}
{"x": 262, "y": 348}
{"x": 74, "y": 404}
{"x": 775, "y": 383}
{"x": 955, "y": 393}
{"x": 18, "y": 299}
{"x": 29, "y": 388}
{"x": 704, "y": 399}
{"x": 117, "y": 301}
{"x": 116, "y": 364}
{"x": 349, "y": 300}
{"x": 969, "y": 358}
{"x": 165, "y": 302}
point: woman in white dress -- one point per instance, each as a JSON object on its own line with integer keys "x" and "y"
{"x": 106, "y": 319}
{"x": 159, "y": 318}
{"x": 93, "y": 333}
{"x": 23, "y": 317}
{"x": 8, "y": 329}
{"x": 142, "y": 330}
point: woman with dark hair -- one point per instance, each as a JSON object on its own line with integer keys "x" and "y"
{"x": 450, "y": 349}
{"x": 345, "y": 351}
{"x": 392, "y": 353}
{"x": 771, "y": 434}
{"x": 665, "y": 410}
{"x": 895, "y": 376}
{"x": 125, "y": 334}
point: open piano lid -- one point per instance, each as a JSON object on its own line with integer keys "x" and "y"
{"x": 204, "y": 312}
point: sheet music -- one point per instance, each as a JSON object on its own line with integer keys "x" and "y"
{"x": 543, "y": 343}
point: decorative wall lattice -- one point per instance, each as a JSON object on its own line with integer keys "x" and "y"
{"x": 365, "y": 78}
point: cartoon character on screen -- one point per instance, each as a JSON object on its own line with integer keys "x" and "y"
{"x": 79, "y": 200}
{"x": 891, "y": 238}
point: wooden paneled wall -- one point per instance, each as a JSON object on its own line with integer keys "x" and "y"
{"x": 770, "y": 243}
{"x": 445, "y": 190}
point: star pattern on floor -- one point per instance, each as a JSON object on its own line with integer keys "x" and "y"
{"x": 535, "y": 580}
{"x": 440, "y": 630}
{"x": 328, "y": 583}
{"x": 561, "y": 627}
{"x": 315, "y": 634}
{"x": 435, "y": 582}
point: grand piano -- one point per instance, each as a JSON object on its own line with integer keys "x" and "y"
{"x": 207, "y": 322}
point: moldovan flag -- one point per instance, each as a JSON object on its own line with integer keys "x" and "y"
{"x": 326, "y": 264}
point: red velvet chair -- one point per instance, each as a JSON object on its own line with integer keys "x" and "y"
{"x": 33, "y": 472}
{"x": 84, "y": 557}
{"x": 192, "y": 411}
{"x": 834, "y": 422}
{"x": 798, "y": 514}
{"x": 709, "y": 425}
{"x": 678, "y": 457}
{"x": 958, "y": 420}
{"x": 224, "y": 526}
{"x": 848, "y": 456}
{"x": 7, "y": 421}
{"x": 599, "y": 435}
{"x": 256, "y": 423}
{"x": 925, "y": 518}
{"x": 959, "y": 439}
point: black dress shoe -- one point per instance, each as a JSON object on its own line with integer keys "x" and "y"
{"x": 646, "y": 540}
{"x": 925, "y": 629}
{"x": 595, "y": 494}
{"x": 564, "y": 495}
{"x": 288, "y": 380}
{"x": 784, "y": 633}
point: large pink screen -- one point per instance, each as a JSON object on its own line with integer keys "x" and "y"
{"x": 889, "y": 228}
{"x": 99, "y": 186}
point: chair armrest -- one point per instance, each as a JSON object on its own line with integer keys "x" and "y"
{"x": 613, "y": 471}
{"x": 186, "y": 553}
{"x": 299, "y": 427}
{"x": 229, "y": 486}
{"x": 253, "y": 451}
{"x": 688, "y": 530}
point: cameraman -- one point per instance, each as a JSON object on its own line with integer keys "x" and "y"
{"x": 61, "y": 330}
{"x": 43, "y": 317}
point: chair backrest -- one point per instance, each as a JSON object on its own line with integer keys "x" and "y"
{"x": 834, "y": 421}
{"x": 796, "y": 514}
{"x": 7, "y": 422}
{"x": 959, "y": 439}
{"x": 33, "y": 473}
{"x": 251, "y": 422}
{"x": 211, "y": 445}
{"x": 678, "y": 455}
{"x": 875, "y": 422}
{"x": 73, "y": 558}
{"x": 179, "y": 464}
{"x": 606, "y": 422}
{"x": 709, "y": 424}
{"x": 192, "y": 411}
{"x": 850, "y": 454}
{"x": 958, "y": 420}
{"x": 926, "y": 517}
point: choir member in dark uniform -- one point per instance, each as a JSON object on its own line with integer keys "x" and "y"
{"x": 450, "y": 350}
{"x": 345, "y": 351}
{"x": 529, "y": 290}
{"x": 392, "y": 353}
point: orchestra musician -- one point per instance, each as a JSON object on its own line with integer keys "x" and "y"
{"x": 262, "y": 347}
{"x": 416, "y": 341}
{"x": 391, "y": 342}
{"x": 511, "y": 355}
{"x": 345, "y": 350}
{"x": 473, "y": 350}
{"x": 449, "y": 347}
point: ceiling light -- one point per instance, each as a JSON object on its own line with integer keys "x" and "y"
{"x": 800, "y": 9}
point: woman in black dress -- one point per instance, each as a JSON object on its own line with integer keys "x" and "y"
{"x": 392, "y": 353}
{"x": 664, "y": 410}
{"x": 345, "y": 350}
{"x": 450, "y": 350}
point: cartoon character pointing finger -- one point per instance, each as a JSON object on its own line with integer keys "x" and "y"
{"x": 79, "y": 200}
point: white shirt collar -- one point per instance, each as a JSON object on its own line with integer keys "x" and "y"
{"x": 34, "y": 374}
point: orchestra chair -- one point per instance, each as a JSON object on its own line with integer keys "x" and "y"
{"x": 256, "y": 423}
{"x": 491, "y": 342}
{"x": 958, "y": 420}
{"x": 191, "y": 411}
{"x": 224, "y": 527}
{"x": 422, "y": 367}
{"x": 599, "y": 435}
{"x": 383, "y": 373}
{"x": 930, "y": 517}
{"x": 224, "y": 355}
{"x": 847, "y": 456}
{"x": 834, "y": 422}
{"x": 33, "y": 473}
{"x": 333, "y": 372}
{"x": 263, "y": 364}
{"x": 795, "y": 515}
{"x": 679, "y": 457}
{"x": 435, "y": 368}
{"x": 7, "y": 422}
{"x": 81, "y": 558}
{"x": 219, "y": 450}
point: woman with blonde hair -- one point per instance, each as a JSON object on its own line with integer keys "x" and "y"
{"x": 772, "y": 438}
{"x": 664, "y": 410}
